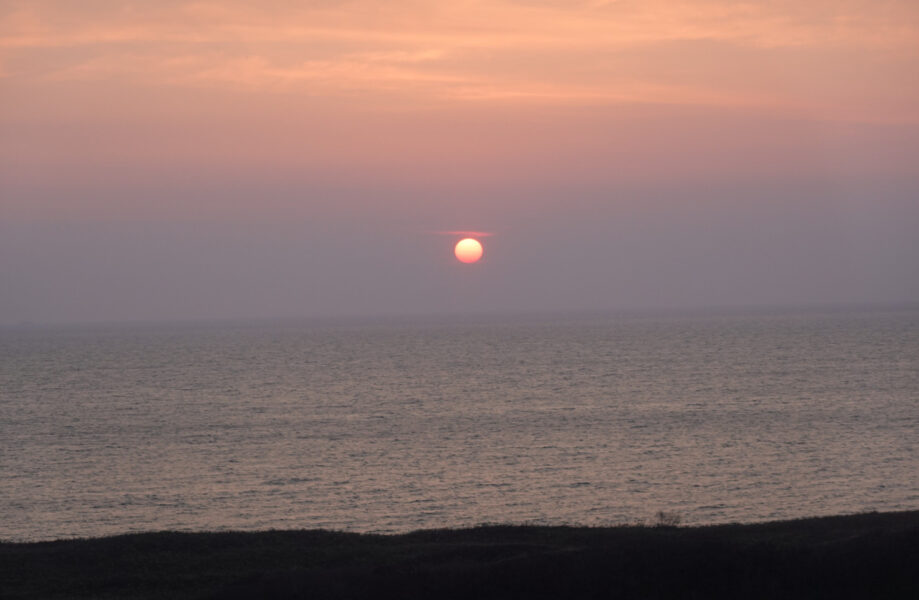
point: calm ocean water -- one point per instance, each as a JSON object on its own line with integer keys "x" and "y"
{"x": 399, "y": 426}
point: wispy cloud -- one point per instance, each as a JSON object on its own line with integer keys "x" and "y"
{"x": 816, "y": 55}
{"x": 491, "y": 23}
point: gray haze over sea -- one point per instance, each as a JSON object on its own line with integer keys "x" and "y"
{"x": 400, "y": 425}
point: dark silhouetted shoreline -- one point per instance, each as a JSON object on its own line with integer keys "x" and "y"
{"x": 872, "y": 555}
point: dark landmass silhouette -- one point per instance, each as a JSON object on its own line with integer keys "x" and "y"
{"x": 871, "y": 555}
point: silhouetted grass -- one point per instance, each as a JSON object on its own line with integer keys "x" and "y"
{"x": 872, "y": 555}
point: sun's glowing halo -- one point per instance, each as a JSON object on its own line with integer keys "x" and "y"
{"x": 468, "y": 250}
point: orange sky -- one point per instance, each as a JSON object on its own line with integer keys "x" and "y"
{"x": 459, "y": 115}
{"x": 844, "y": 60}
{"x": 336, "y": 85}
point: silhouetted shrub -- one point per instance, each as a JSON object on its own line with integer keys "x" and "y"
{"x": 667, "y": 519}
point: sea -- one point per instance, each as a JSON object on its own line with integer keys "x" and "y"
{"x": 401, "y": 424}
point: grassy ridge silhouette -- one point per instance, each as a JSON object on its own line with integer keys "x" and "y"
{"x": 872, "y": 555}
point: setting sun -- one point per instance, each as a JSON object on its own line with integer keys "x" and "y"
{"x": 468, "y": 250}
